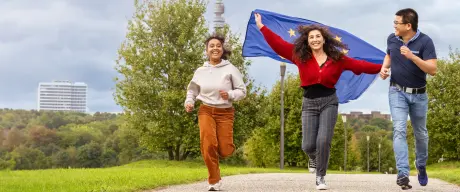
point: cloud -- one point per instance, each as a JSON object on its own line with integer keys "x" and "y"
{"x": 60, "y": 40}
{"x": 73, "y": 40}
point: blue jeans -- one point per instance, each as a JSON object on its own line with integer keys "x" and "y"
{"x": 403, "y": 104}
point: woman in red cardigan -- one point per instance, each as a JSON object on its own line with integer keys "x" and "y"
{"x": 320, "y": 62}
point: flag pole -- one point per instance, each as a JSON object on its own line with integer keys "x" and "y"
{"x": 283, "y": 71}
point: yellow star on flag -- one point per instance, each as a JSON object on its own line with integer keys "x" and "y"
{"x": 291, "y": 33}
{"x": 345, "y": 51}
{"x": 339, "y": 39}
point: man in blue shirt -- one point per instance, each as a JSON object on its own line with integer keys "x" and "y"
{"x": 411, "y": 55}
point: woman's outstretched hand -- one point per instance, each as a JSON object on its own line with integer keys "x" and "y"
{"x": 258, "y": 19}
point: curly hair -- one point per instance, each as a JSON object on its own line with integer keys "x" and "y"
{"x": 331, "y": 46}
{"x": 226, "y": 52}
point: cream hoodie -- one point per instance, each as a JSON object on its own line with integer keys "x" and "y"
{"x": 209, "y": 79}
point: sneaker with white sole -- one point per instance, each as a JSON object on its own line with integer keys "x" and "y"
{"x": 215, "y": 187}
{"x": 312, "y": 165}
{"x": 421, "y": 174}
{"x": 403, "y": 181}
{"x": 320, "y": 183}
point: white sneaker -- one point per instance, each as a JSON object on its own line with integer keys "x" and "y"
{"x": 215, "y": 187}
{"x": 312, "y": 165}
{"x": 320, "y": 183}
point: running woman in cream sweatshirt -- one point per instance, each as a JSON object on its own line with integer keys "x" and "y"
{"x": 217, "y": 84}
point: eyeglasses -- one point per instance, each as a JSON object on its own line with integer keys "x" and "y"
{"x": 396, "y": 23}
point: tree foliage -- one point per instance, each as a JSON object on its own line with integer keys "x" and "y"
{"x": 163, "y": 48}
{"x": 83, "y": 140}
{"x": 444, "y": 110}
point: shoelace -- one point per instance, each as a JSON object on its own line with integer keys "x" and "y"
{"x": 320, "y": 180}
{"x": 402, "y": 179}
{"x": 312, "y": 163}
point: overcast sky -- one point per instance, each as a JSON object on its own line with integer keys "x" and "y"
{"x": 77, "y": 40}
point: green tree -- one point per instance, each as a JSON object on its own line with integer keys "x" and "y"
{"x": 49, "y": 149}
{"x": 129, "y": 144}
{"x": 353, "y": 153}
{"x": 356, "y": 124}
{"x": 369, "y": 128}
{"x": 2, "y": 136}
{"x": 265, "y": 141}
{"x": 52, "y": 120}
{"x": 7, "y": 164}
{"x": 29, "y": 144}
{"x": 386, "y": 151}
{"x": 63, "y": 159}
{"x": 109, "y": 158}
{"x": 261, "y": 149}
{"x": 28, "y": 158}
{"x": 112, "y": 143}
{"x": 381, "y": 123}
{"x": 89, "y": 155}
{"x": 294, "y": 155}
{"x": 443, "y": 121}
{"x": 163, "y": 47}
{"x": 42, "y": 136}
{"x": 14, "y": 138}
{"x": 410, "y": 142}
{"x": 336, "y": 159}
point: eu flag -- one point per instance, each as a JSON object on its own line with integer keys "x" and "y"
{"x": 350, "y": 86}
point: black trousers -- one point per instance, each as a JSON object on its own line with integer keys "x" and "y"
{"x": 319, "y": 116}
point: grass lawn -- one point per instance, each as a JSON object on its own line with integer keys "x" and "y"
{"x": 148, "y": 175}
{"x": 448, "y": 171}
{"x": 132, "y": 177}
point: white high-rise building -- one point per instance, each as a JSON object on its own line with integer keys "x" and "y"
{"x": 62, "y": 96}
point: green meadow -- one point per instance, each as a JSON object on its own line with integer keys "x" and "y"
{"x": 144, "y": 175}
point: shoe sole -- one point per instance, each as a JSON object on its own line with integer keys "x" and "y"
{"x": 406, "y": 187}
{"x": 321, "y": 187}
{"x": 215, "y": 187}
{"x": 404, "y": 183}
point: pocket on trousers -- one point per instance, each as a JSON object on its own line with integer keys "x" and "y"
{"x": 393, "y": 89}
{"x": 422, "y": 97}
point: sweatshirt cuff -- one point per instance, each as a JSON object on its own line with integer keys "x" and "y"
{"x": 231, "y": 95}
{"x": 188, "y": 102}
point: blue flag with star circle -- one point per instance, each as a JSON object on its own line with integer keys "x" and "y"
{"x": 350, "y": 86}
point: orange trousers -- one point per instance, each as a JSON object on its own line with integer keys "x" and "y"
{"x": 216, "y": 137}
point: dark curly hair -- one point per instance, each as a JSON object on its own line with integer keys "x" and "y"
{"x": 302, "y": 50}
{"x": 226, "y": 53}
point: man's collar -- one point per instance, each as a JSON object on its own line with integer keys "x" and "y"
{"x": 412, "y": 39}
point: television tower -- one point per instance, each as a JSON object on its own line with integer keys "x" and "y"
{"x": 219, "y": 9}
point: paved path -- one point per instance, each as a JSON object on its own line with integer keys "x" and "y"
{"x": 290, "y": 182}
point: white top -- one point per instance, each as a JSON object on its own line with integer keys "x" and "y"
{"x": 209, "y": 79}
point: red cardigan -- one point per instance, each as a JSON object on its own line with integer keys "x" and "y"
{"x": 310, "y": 72}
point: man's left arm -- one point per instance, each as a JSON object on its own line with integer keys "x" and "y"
{"x": 428, "y": 62}
{"x": 428, "y": 66}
